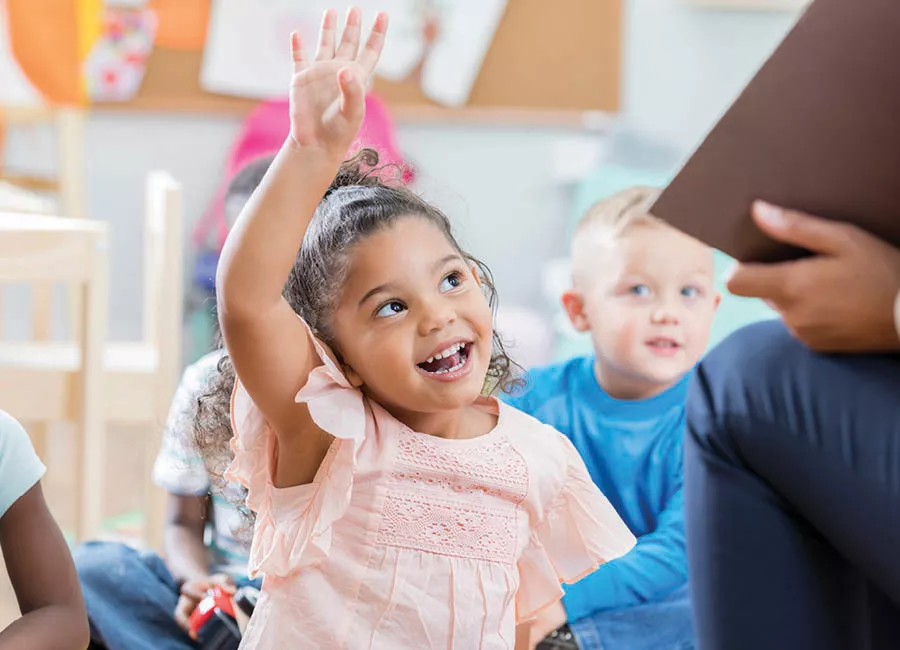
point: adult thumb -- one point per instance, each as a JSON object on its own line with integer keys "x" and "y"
{"x": 814, "y": 234}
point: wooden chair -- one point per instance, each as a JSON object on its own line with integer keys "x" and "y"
{"x": 15, "y": 199}
{"x": 39, "y": 249}
{"x": 139, "y": 377}
{"x": 61, "y": 193}
{"x": 67, "y": 185}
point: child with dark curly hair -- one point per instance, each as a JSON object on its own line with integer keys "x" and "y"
{"x": 397, "y": 503}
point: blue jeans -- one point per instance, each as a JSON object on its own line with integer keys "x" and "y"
{"x": 659, "y": 625}
{"x": 792, "y": 486}
{"x": 130, "y": 597}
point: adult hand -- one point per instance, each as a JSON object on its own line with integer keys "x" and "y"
{"x": 840, "y": 299}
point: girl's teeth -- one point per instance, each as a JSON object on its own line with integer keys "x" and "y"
{"x": 454, "y": 368}
{"x": 446, "y": 353}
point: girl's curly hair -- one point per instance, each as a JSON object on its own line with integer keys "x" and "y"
{"x": 362, "y": 200}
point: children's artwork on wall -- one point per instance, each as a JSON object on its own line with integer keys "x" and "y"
{"x": 181, "y": 23}
{"x": 15, "y": 87}
{"x": 70, "y": 52}
{"x": 115, "y": 67}
{"x": 39, "y": 51}
{"x": 440, "y": 43}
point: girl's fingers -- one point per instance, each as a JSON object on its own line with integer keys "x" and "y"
{"x": 350, "y": 41}
{"x": 327, "y": 36}
{"x": 297, "y": 56}
{"x": 368, "y": 59}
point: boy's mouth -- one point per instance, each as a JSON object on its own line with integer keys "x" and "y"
{"x": 449, "y": 360}
{"x": 663, "y": 346}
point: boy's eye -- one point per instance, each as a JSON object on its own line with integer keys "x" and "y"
{"x": 451, "y": 282}
{"x": 640, "y": 290}
{"x": 390, "y": 309}
{"x": 690, "y": 292}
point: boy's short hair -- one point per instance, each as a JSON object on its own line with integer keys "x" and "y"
{"x": 619, "y": 211}
{"x": 611, "y": 217}
{"x": 245, "y": 182}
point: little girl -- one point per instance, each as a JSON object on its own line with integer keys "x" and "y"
{"x": 395, "y": 506}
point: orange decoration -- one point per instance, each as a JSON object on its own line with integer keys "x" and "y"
{"x": 182, "y": 23}
{"x": 44, "y": 41}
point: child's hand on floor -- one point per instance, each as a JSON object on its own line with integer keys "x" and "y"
{"x": 328, "y": 94}
{"x": 193, "y": 591}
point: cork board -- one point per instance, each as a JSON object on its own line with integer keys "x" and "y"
{"x": 560, "y": 57}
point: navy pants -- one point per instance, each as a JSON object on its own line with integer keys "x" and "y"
{"x": 792, "y": 483}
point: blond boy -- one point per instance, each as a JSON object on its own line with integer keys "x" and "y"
{"x": 645, "y": 293}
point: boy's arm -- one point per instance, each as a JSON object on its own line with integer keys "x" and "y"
{"x": 186, "y": 555}
{"x": 654, "y": 567}
{"x": 43, "y": 576}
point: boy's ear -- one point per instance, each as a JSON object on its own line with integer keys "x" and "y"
{"x": 717, "y": 299}
{"x": 573, "y": 303}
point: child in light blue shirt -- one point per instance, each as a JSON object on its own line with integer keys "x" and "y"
{"x": 37, "y": 558}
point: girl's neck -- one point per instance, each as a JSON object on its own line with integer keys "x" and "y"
{"x": 455, "y": 424}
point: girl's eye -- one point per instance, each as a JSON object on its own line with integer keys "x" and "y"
{"x": 640, "y": 290}
{"x": 690, "y": 292}
{"x": 451, "y": 282}
{"x": 390, "y": 309}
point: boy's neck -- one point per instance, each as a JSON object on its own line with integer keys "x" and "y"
{"x": 621, "y": 386}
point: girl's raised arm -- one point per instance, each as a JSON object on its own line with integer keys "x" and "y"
{"x": 269, "y": 347}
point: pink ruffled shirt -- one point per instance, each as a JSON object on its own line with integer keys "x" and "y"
{"x": 405, "y": 540}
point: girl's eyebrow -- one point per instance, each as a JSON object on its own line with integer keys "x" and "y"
{"x": 444, "y": 260}
{"x": 390, "y": 286}
{"x": 381, "y": 288}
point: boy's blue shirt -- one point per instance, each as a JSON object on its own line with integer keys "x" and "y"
{"x": 633, "y": 451}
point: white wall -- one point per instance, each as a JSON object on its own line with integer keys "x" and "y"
{"x": 682, "y": 67}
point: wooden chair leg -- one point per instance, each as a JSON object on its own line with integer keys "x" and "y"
{"x": 93, "y": 467}
{"x": 154, "y": 497}
{"x": 93, "y": 334}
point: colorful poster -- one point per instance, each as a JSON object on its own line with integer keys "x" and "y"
{"x": 115, "y": 66}
{"x": 15, "y": 87}
{"x": 40, "y": 51}
{"x": 181, "y": 23}
{"x": 439, "y": 45}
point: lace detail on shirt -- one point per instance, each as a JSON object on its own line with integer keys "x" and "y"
{"x": 458, "y": 501}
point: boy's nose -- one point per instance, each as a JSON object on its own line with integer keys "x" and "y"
{"x": 665, "y": 314}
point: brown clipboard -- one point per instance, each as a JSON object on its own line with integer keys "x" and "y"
{"x": 817, "y": 129}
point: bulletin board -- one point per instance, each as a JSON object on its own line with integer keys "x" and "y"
{"x": 558, "y": 58}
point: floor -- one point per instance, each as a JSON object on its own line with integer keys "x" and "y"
{"x": 123, "y": 496}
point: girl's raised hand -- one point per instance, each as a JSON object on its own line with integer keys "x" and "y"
{"x": 328, "y": 94}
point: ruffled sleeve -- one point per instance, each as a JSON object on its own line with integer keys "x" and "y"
{"x": 294, "y": 525}
{"x": 580, "y": 531}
